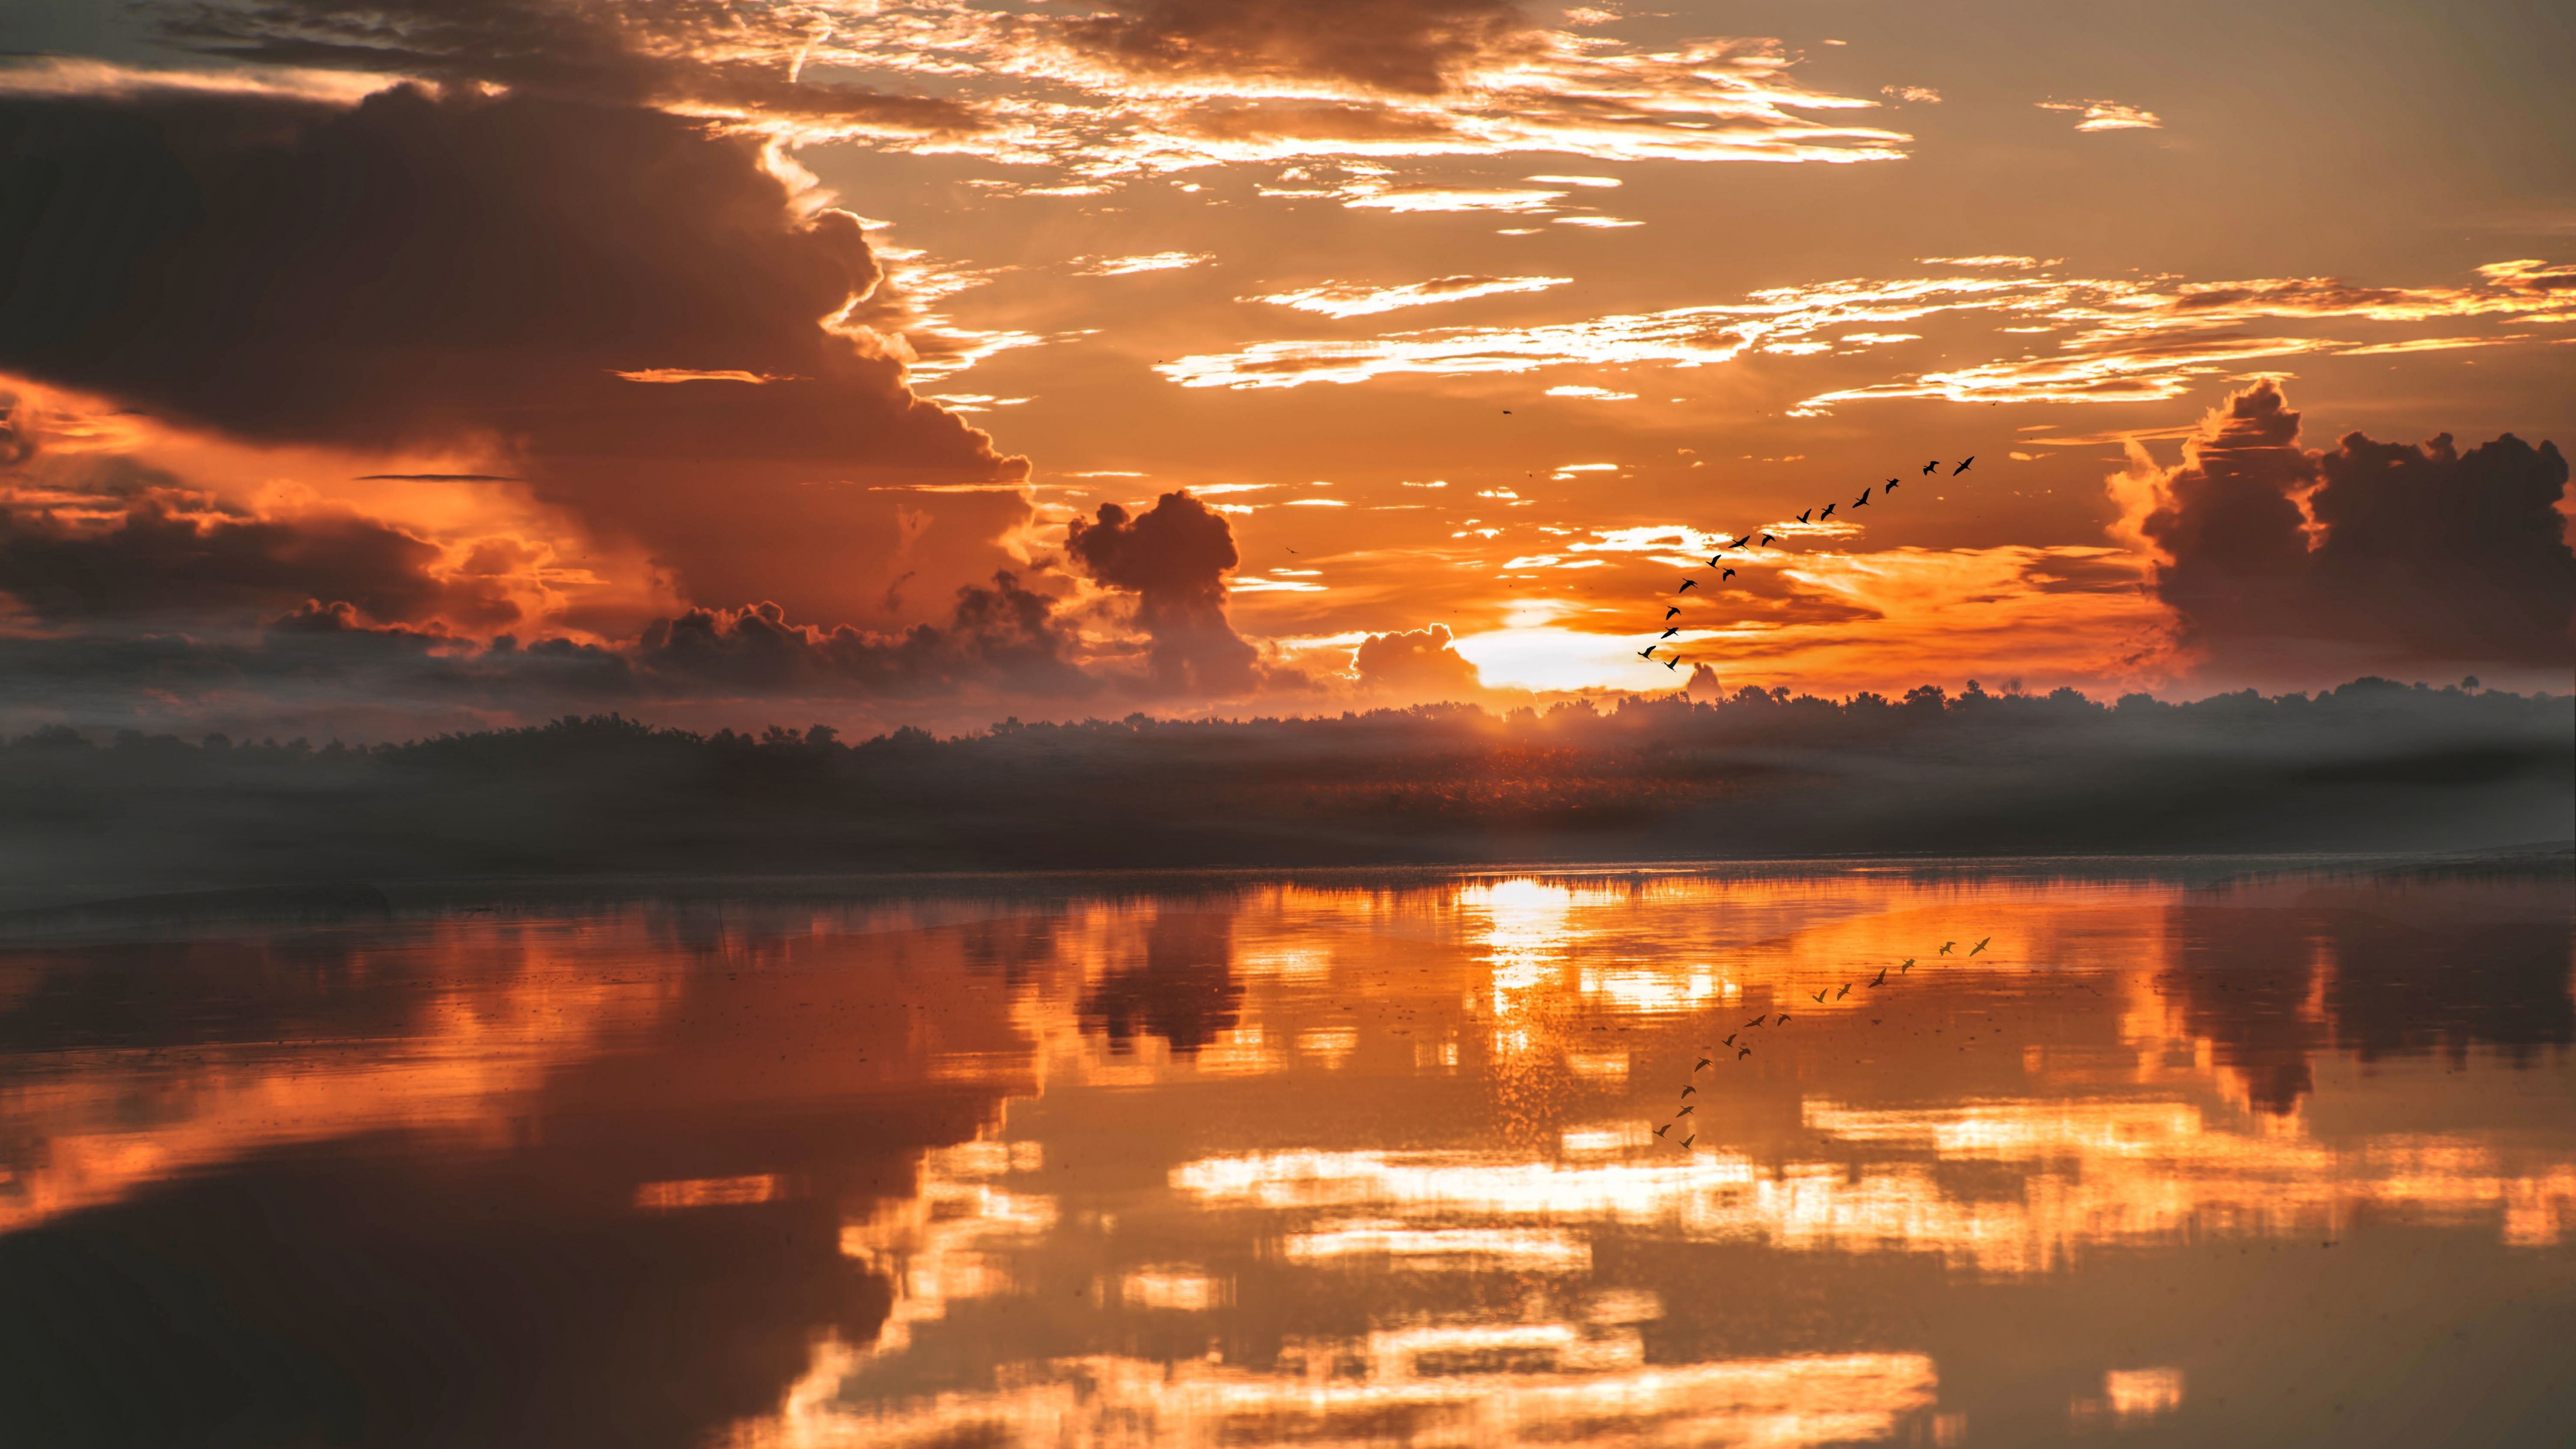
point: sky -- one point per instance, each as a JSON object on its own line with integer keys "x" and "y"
{"x": 377, "y": 369}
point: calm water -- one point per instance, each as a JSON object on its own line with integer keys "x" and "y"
{"x": 2286, "y": 1162}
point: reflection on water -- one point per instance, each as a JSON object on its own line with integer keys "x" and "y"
{"x": 1312, "y": 1165}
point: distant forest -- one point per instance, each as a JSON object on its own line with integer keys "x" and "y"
{"x": 2371, "y": 766}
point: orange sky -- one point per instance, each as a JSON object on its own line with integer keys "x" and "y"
{"x": 1494, "y": 319}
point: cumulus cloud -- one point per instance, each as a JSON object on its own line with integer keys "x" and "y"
{"x": 2372, "y": 551}
{"x": 1173, "y": 557}
{"x": 421, "y": 269}
{"x": 1417, "y": 664}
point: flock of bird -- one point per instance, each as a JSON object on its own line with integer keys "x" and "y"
{"x": 1744, "y": 1049}
{"x": 1756, "y": 540}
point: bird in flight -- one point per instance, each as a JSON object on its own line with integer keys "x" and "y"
{"x": 1963, "y": 467}
{"x": 1766, "y": 540}
{"x": 1891, "y": 484}
{"x": 1981, "y": 945}
{"x": 1730, "y": 1040}
{"x": 1646, "y": 653}
{"x": 1932, "y": 467}
{"x": 1781, "y": 1019}
{"x": 1802, "y": 517}
{"x": 1703, "y": 1061}
{"x": 1673, "y": 663}
{"x": 1757, "y": 1021}
{"x": 1820, "y": 998}
{"x": 1687, "y": 586}
{"x": 1686, "y": 1111}
{"x": 1722, "y": 578}
{"x": 1687, "y": 1141}
{"x": 1846, "y": 991}
{"x": 1828, "y": 513}
{"x": 1667, "y": 1127}
{"x": 1668, "y": 633}
{"x": 1668, "y": 613}
{"x": 1881, "y": 978}
{"x": 1688, "y": 1089}
{"x": 1908, "y": 966}
{"x": 1946, "y": 945}
{"x": 1742, "y": 1052}
{"x": 1862, "y": 499}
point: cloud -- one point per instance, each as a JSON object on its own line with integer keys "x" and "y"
{"x": 1151, "y": 262}
{"x": 460, "y": 271}
{"x": 2105, "y": 115}
{"x": 1173, "y": 558}
{"x": 1419, "y": 664}
{"x": 2125, "y": 340}
{"x": 2387, "y": 551}
{"x": 1144, "y": 88}
{"x": 676, "y": 54}
{"x": 171, "y": 554}
{"x": 1355, "y": 299}
{"x": 999, "y": 635}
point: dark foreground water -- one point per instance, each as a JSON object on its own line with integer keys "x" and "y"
{"x": 2282, "y": 1162}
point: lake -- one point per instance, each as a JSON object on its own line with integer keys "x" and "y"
{"x": 2263, "y": 1154}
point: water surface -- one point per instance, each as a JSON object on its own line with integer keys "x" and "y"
{"x": 2284, "y": 1160}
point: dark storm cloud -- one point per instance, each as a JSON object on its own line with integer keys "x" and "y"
{"x": 1173, "y": 557}
{"x": 420, "y": 269}
{"x": 1407, "y": 47}
{"x": 1419, "y": 663}
{"x": 2421, "y": 551}
{"x": 640, "y": 52}
{"x": 171, "y": 554}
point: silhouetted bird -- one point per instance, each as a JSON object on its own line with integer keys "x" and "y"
{"x": 1963, "y": 467}
{"x": 1673, "y": 663}
{"x": 1803, "y": 516}
{"x": 1946, "y": 945}
{"x": 1722, "y": 578}
{"x": 1828, "y": 513}
{"x": 1646, "y": 653}
{"x": 1714, "y": 560}
{"x": 1667, "y": 1127}
{"x": 1932, "y": 467}
{"x": 1687, "y": 586}
{"x": 1908, "y": 966}
{"x": 1668, "y": 633}
{"x": 1862, "y": 500}
{"x": 1781, "y": 1020}
{"x": 1891, "y": 485}
{"x": 1820, "y": 998}
{"x": 1687, "y": 1141}
{"x": 1881, "y": 978}
{"x": 1730, "y": 1040}
{"x": 1757, "y": 1021}
{"x": 1703, "y": 1061}
{"x": 1686, "y": 1111}
{"x": 1687, "y": 1090}
{"x": 1668, "y": 613}
{"x": 1766, "y": 540}
{"x": 1742, "y": 1052}
{"x": 1981, "y": 945}
{"x": 1846, "y": 991}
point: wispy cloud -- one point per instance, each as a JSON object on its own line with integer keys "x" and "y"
{"x": 2123, "y": 339}
{"x": 2106, "y": 115}
{"x": 1355, "y": 299}
{"x": 1149, "y": 262}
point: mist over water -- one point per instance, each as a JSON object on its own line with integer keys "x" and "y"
{"x": 2187, "y": 1155}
